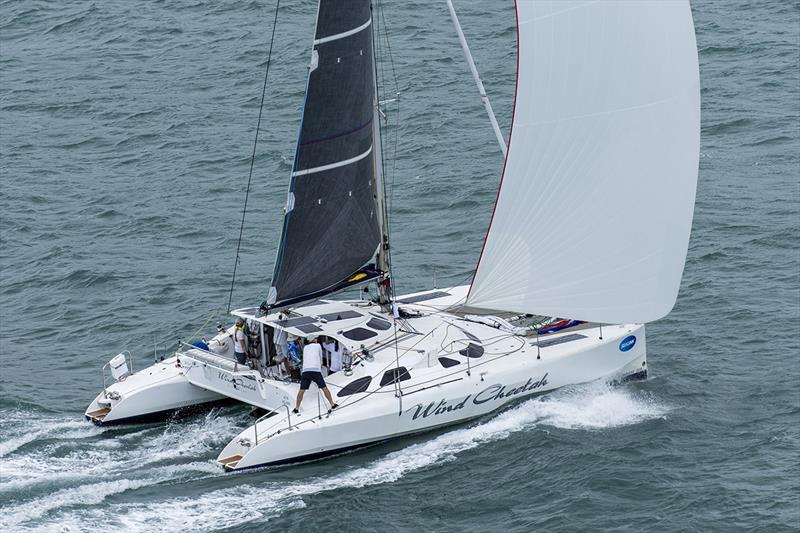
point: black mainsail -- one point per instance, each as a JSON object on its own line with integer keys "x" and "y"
{"x": 333, "y": 225}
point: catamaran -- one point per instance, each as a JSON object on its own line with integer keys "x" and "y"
{"x": 591, "y": 222}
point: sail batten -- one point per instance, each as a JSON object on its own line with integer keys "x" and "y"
{"x": 593, "y": 217}
{"x": 344, "y": 34}
{"x": 331, "y": 166}
{"x": 332, "y": 225}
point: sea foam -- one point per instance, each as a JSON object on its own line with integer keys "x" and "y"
{"x": 588, "y": 407}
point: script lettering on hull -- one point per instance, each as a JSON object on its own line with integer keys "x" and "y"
{"x": 491, "y": 393}
{"x": 236, "y": 383}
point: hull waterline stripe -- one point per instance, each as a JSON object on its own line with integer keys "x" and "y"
{"x": 338, "y": 164}
{"x": 342, "y": 35}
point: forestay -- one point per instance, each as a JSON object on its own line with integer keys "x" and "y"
{"x": 594, "y": 212}
{"x": 332, "y": 224}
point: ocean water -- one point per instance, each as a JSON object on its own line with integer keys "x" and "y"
{"x": 126, "y": 130}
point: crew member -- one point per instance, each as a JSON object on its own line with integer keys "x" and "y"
{"x": 312, "y": 371}
{"x": 240, "y": 342}
{"x": 293, "y": 350}
{"x": 280, "y": 339}
{"x": 334, "y": 355}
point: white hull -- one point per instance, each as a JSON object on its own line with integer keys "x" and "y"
{"x": 457, "y": 369}
{"x": 438, "y": 397}
{"x": 149, "y": 393}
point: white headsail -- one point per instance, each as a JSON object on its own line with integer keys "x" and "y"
{"x": 595, "y": 207}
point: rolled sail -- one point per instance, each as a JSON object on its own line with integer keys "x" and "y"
{"x": 595, "y": 207}
{"x": 332, "y": 224}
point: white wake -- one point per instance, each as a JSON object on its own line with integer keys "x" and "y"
{"x": 591, "y": 407}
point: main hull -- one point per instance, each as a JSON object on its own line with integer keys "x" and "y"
{"x": 469, "y": 393}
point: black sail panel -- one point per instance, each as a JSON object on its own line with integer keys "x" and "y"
{"x": 332, "y": 225}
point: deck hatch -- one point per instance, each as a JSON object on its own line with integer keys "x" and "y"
{"x": 472, "y": 350}
{"x": 378, "y": 324}
{"x": 299, "y": 321}
{"x": 559, "y": 340}
{"x": 424, "y": 297}
{"x": 359, "y": 334}
{"x": 343, "y": 315}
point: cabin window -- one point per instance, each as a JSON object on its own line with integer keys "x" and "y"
{"x": 379, "y": 324}
{"x": 473, "y": 350}
{"x": 471, "y": 336}
{"x": 394, "y": 375}
{"x": 355, "y": 386}
{"x": 447, "y": 362}
{"x": 359, "y": 334}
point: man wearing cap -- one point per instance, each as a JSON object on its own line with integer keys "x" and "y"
{"x": 312, "y": 371}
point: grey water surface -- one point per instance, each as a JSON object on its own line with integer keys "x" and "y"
{"x": 126, "y": 130}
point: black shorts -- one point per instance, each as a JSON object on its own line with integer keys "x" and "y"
{"x": 241, "y": 358}
{"x": 307, "y": 377}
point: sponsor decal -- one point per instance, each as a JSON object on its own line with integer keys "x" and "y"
{"x": 627, "y": 343}
{"x": 489, "y": 394}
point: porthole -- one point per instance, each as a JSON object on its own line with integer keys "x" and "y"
{"x": 394, "y": 375}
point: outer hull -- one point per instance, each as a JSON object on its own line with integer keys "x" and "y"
{"x": 488, "y": 386}
{"x": 153, "y": 393}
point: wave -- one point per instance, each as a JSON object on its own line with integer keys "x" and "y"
{"x": 14, "y": 517}
{"x": 21, "y": 430}
{"x": 75, "y": 450}
{"x": 590, "y": 407}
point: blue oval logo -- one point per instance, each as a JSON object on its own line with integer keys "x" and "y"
{"x": 627, "y": 343}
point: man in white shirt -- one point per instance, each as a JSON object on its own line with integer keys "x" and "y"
{"x": 281, "y": 340}
{"x": 312, "y": 371}
{"x": 335, "y": 355}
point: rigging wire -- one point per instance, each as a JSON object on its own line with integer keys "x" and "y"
{"x": 253, "y": 157}
{"x": 397, "y": 96}
{"x": 381, "y": 30}
{"x": 397, "y": 107}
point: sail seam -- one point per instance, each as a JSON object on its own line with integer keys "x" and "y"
{"x": 342, "y": 35}
{"x": 332, "y": 165}
{"x": 337, "y": 135}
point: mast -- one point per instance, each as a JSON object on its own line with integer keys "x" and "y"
{"x": 384, "y": 254}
